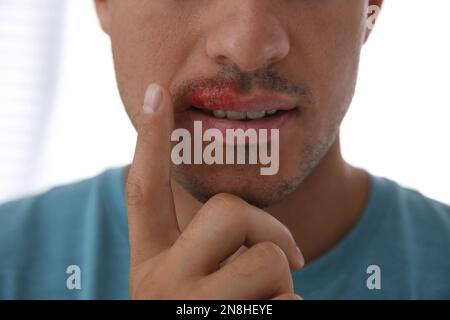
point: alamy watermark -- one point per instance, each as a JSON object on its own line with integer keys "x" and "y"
{"x": 374, "y": 280}
{"x": 249, "y": 146}
{"x": 73, "y": 281}
{"x": 373, "y": 12}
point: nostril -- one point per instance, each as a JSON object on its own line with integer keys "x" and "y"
{"x": 223, "y": 60}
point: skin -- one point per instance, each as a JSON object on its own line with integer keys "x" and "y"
{"x": 190, "y": 226}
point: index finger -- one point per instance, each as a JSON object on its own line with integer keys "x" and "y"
{"x": 152, "y": 222}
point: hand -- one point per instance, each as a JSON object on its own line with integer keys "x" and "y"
{"x": 169, "y": 264}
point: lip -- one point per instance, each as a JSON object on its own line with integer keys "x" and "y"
{"x": 200, "y": 100}
{"x": 226, "y": 98}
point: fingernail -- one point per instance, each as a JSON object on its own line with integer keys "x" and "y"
{"x": 300, "y": 259}
{"x": 153, "y": 98}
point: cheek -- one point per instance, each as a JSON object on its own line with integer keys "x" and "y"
{"x": 334, "y": 58}
{"x": 336, "y": 51}
{"x": 143, "y": 53}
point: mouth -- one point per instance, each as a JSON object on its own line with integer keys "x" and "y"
{"x": 224, "y": 120}
{"x": 223, "y": 108}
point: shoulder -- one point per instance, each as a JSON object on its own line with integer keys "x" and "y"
{"x": 414, "y": 206}
{"x": 67, "y": 198}
{"x": 41, "y": 235}
{"x": 415, "y": 233}
{"x": 417, "y": 222}
{"x": 55, "y": 216}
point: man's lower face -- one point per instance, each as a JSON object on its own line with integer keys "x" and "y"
{"x": 318, "y": 72}
{"x": 306, "y": 52}
{"x": 301, "y": 147}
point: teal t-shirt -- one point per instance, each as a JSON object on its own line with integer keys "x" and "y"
{"x": 72, "y": 243}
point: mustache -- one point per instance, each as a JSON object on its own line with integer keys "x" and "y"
{"x": 243, "y": 82}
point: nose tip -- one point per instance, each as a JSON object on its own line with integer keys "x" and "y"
{"x": 250, "y": 42}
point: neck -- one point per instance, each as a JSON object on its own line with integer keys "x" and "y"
{"x": 319, "y": 213}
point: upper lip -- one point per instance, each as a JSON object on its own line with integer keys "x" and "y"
{"x": 226, "y": 98}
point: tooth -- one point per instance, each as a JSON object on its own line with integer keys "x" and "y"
{"x": 271, "y": 112}
{"x": 256, "y": 115}
{"x": 219, "y": 113}
{"x": 234, "y": 115}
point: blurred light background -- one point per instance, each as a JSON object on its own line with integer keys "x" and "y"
{"x": 61, "y": 118}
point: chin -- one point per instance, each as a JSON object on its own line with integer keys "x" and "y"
{"x": 203, "y": 182}
{"x": 246, "y": 181}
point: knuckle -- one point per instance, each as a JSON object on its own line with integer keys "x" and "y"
{"x": 284, "y": 230}
{"x": 134, "y": 192}
{"x": 285, "y": 236}
{"x": 226, "y": 213}
{"x": 225, "y": 207}
{"x": 145, "y": 133}
{"x": 271, "y": 254}
{"x": 222, "y": 200}
{"x": 240, "y": 271}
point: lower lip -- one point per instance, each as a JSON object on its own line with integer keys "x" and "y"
{"x": 276, "y": 121}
